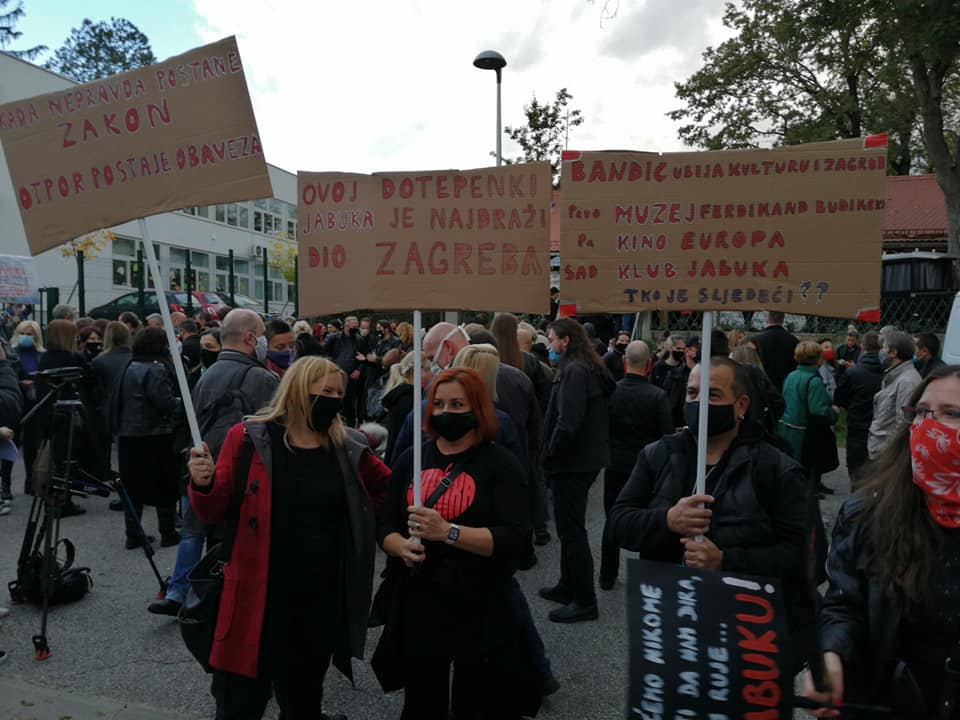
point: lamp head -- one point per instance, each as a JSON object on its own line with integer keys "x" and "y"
{"x": 490, "y": 60}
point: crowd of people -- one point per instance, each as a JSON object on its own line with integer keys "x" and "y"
{"x": 519, "y": 421}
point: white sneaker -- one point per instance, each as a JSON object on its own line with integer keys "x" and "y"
{"x": 4, "y": 508}
{"x": 4, "y": 612}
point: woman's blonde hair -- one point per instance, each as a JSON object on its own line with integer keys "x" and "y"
{"x": 746, "y": 355}
{"x": 290, "y": 404}
{"x": 402, "y": 372}
{"x": 807, "y": 353}
{"x": 302, "y": 327}
{"x": 37, "y": 334}
{"x": 405, "y": 333}
{"x": 485, "y": 360}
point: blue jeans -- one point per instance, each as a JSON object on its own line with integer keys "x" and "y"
{"x": 538, "y": 653}
{"x": 189, "y": 553}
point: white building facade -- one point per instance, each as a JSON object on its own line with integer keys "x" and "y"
{"x": 207, "y": 234}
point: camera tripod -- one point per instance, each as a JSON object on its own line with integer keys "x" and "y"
{"x": 64, "y": 479}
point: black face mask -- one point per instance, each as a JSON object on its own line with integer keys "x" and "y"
{"x": 720, "y": 418}
{"x": 677, "y": 355}
{"x": 621, "y": 348}
{"x": 352, "y": 332}
{"x": 453, "y": 426}
{"x": 323, "y": 410}
{"x": 94, "y": 348}
{"x": 208, "y": 357}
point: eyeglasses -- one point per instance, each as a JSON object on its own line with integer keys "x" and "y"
{"x": 912, "y": 413}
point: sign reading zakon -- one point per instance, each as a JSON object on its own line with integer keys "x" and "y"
{"x": 426, "y": 240}
{"x": 796, "y": 229}
{"x": 158, "y": 138}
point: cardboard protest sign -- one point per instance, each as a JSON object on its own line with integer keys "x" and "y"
{"x": 431, "y": 240}
{"x": 163, "y": 137}
{"x": 19, "y": 282}
{"x": 706, "y": 644}
{"x": 796, "y": 229}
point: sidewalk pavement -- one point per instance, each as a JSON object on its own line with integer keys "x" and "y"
{"x": 22, "y": 701}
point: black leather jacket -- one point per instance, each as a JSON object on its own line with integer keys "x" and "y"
{"x": 146, "y": 400}
{"x": 759, "y": 513}
{"x": 856, "y": 620}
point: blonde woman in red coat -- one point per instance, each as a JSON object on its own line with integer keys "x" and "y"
{"x": 297, "y": 588}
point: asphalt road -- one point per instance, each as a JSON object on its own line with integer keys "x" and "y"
{"x": 108, "y": 646}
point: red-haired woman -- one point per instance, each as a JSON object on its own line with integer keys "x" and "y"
{"x": 466, "y": 541}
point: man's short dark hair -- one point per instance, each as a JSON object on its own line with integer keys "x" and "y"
{"x": 775, "y": 317}
{"x": 202, "y": 315}
{"x": 554, "y": 290}
{"x": 901, "y": 343}
{"x": 130, "y": 318}
{"x": 483, "y": 337}
{"x": 871, "y": 341}
{"x": 930, "y": 342}
{"x": 741, "y": 375}
{"x": 276, "y": 327}
{"x": 719, "y": 344}
{"x": 150, "y": 341}
{"x": 189, "y": 326}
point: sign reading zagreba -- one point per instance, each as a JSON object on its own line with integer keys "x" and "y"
{"x": 158, "y": 138}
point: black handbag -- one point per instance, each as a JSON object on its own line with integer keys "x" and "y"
{"x": 198, "y": 614}
{"x": 819, "y": 450}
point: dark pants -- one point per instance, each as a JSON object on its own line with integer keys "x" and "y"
{"x": 857, "y": 454}
{"x": 570, "y": 491}
{"x": 538, "y": 501}
{"x": 299, "y": 691}
{"x": 820, "y": 534}
{"x": 476, "y": 695}
{"x": 351, "y": 399}
{"x": 613, "y": 482}
{"x": 166, "y": 518}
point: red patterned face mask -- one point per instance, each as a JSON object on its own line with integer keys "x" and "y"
{"x": 935, "y": 452}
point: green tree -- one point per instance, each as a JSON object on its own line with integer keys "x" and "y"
{"x": 97, "y": 50}
{"x": 811, "y": 70}
{"x": 9, "y": 32}
{"x": 545, "y": 135}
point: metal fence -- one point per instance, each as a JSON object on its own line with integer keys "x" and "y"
{"x": 910, "y": 312}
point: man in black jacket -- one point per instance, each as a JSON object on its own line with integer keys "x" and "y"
{"x": 344, "y": 348}
{"x": 639, "y": 415}
{"x": 776, "y": 347}
{"x": 855, "y": 392}
{"x": 754, "y": 514}
{"x": 614, "y": 359}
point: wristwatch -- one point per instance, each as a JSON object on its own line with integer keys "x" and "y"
{"x": 453, "y": 534}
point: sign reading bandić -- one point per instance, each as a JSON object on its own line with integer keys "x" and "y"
{"x": 178, "y": 133}
{"x": 425, "y": 240}
{"x": 796, "y": 229}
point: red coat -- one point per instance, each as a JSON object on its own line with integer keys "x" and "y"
{"x": 236, "y": 644}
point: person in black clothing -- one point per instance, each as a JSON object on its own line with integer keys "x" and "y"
{"x": 855, "y": 391}
{"x": 554, "y": 303}
{"x": 614, "y": 359}
{"x": 890, "y": 618}
{"x": 669, "y": 358}
{"x": 927, "y": 357}
{"x": 753, "y": 516}
{"x": 297, "y": 593}
{"x": 576, "y": 447}
{"x": 776, "y": 346}
{"x": 398, "y": 400}
{"x": 11, "y": 407}
{"x": 307, "y": 344}
{"x": 639, "y": 415}
{"x": 344, "y": 348}
{"x": 61, "y": 344}
{"x": 467, "y": 544}
{"x": 148, "y": 413}
{"x": 849, "y": 352}
{"x": 108, "y": 367}
{"x": 675, "y": 385}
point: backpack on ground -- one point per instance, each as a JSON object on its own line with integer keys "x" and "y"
{"x": 66, "y": 583}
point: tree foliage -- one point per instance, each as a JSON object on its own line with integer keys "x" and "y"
{"x": 544, "y": 136}
{"x": 812, "y": 70}
{"x": 9, "y": 33}
{"x": 96, "y": 50}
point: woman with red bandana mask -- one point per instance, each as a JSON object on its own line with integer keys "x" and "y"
{"x": 890, "y": 621}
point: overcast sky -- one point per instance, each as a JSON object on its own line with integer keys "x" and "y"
{"x": 381, "y": 85}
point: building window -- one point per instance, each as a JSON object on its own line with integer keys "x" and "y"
{"x": 232, "y": 214}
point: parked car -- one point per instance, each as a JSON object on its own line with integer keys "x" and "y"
{"x": 248, "y": 303}
{"x": 203, "y": 300}
{"x": 130, "y": 302}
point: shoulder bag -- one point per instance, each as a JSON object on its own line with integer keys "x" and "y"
{"x": 819, "y": 449}
{"x": 198, "y": 614}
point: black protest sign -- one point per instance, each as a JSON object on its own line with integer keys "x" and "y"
{"x": 706, "y": 644}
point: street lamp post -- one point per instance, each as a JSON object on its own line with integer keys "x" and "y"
{"x": 492, "y": 60}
